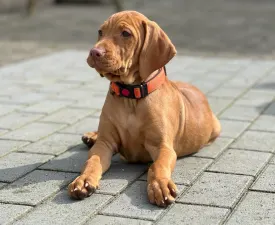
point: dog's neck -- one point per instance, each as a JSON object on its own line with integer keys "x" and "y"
{"x": 141, "y": 90}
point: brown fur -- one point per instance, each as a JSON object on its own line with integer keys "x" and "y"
{"x": 171, "y": 122}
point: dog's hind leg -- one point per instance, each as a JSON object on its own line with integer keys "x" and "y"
{"x": 89, "y": 138}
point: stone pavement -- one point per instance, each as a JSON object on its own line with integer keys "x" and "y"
{"x": 47, "y": 103}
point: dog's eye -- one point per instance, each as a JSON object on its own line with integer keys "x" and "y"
{"x": 126, "y": 34}
{"x": 100, "y": 33}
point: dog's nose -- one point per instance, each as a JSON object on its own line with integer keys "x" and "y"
{"x": 97, "y": 52}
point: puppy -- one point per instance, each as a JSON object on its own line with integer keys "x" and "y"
{"x": 146, "y": 117}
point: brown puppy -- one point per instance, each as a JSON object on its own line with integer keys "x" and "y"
{"x": 172, "y": 121}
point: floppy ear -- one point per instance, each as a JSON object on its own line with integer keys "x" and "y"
{"x": 157, "y": 49}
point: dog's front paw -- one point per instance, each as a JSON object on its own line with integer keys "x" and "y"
{"x": 83, "y": 186}
{"x": 89, "y": 138}
{"x": 161, "y": 192}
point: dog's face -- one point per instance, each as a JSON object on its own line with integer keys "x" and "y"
{"x": 129, "y": 48}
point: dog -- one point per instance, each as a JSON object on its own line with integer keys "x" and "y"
{"x": 145, "y": 117}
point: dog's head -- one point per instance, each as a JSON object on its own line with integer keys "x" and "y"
{"x": 130, "y": 47}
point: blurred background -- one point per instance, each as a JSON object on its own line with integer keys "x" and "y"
{"x": 226, "y": 28}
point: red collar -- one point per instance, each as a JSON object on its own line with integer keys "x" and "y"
{"x": 140, "y": 90}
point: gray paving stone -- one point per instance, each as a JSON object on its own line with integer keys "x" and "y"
{"x": 266, "y": 180}
{"x": 119, "y": 176}
{"x": 3, "y": 131}
{"x": 86, "y": 125}
{"x": 18, "y": 119}
{"x": 134, "y": 203}
{"x": 189, "y": 168}
{"x": 47, "y": 106}
{"x": 63, "y": 210}
{"x": 233, "y": 128}
{"x": 2, "y": 184}
{"x": 256, "y": 140}
{"x": 215, "y": 149}
{"x": 241, "y": 113}
{"x": 110, "y": 220}
{"x": 58, "y": 87}
{"x": 255, "y": 98}
{"x": 10, "y": 212}
{"x": 35, "y": 187}
{"x": 223, "y": 92}
{"x": 192, "y": 214}
{"x": 241, "y": 162}
{"x": 70, "y": 161}
{"x": 7, "y": 146}
{"x": 223, "y": 190}
{"x": 256, "y": 209}
{"x": 6, "y": 108}
{"x": 29, "y": 98}
{"x": 15, "y": 165}
{"x": 33, "y": 131}
{"x": 218, "y": 104}
{"x": 67, "y": 115}
{"x": 54, "y": 144}
{"x": 270, "y": 110}
{"x": 264, "y": 123}
{"x": 206, "y": 85}
{"x": 93, "y": 102}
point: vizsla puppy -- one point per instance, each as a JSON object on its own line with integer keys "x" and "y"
{"x": 145, "y": 117}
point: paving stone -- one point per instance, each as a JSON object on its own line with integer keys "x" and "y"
{"x": 29, "y": 98}
{"x": 10, "y": 212}
{"x": 93, "y": 102}
{"x": 2, "y": 184}
{"x": 70, "y": 161}
{"x": 59, "y": 87}
{"x": 33, "y": 131}
{"x": 35, "y": 187}
{"x": 86, "y": 125}
{"x": 215, "y": 149}
{"x": 264, "y": 123}
{"x": 110, "y": 220}
{"x": 188, "y": 169}
{"x": 192, "y": 214}
{"x": 15, "y": 165}
{"x": 266, "y": 180}
{"x": 134, "y": 203}
{"x": 270, "y": 110}
{"x": 5, "y": 108}
{"x": 63, "y": 210}
{"x": 67, "y": 115}
{"x": 47, "y": 106}
{"x": 119, "y": 176}
{"x": 206, "y": 85}
{"x": 218, "y": 104}
{"x": 255, "y": 99}
{"x": 223, "y": 92}
{"x": 18, "y": 119}
{"x": 54, "y": 144}
{"x": 241, "y": 162}
{"x": 241, "y": 113}
{"x": 223, "y": 190}
{"x": 256, "y": 140}
{"x": 233, "y": 128}
{"x": 7, "y": 146}
{"x": 3, "y": 131}
{"x": 256, "y": 209}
